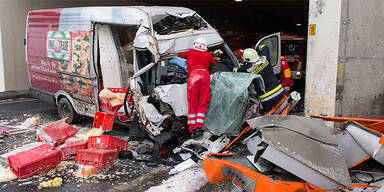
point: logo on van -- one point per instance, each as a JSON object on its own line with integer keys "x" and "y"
{"x": 59, "y": 45}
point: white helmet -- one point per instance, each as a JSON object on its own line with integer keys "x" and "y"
{"x": 200, "y": 44}
{"x": 250, "y": 55}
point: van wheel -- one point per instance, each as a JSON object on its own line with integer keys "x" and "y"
{"x": 65, "y": 110}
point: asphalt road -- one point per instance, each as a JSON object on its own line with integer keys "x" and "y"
{"x": 120, "y": 176}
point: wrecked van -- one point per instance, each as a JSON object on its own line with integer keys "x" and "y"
{"x": 72, "y": 54}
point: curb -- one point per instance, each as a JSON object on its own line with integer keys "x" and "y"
{"x": 14, "y": 94}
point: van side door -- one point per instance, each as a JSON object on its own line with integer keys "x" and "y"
{"x": 274, "y": 44}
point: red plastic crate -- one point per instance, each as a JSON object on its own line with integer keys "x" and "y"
{"x": 107, "y": 105}
{"x": 97, "y": 157}
{"x": 69, "y": 149}
{"x": 35, "y": 160}
{"x": 107, "y": 142}
{"x": 103, "y": 120}
{"x": 57, "y": 132}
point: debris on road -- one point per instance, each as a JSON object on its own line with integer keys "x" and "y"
{"x": 298, "y": 153}
{"x": 56, "y": 182}
{"x": 32, "y": 122}
{"x": 182, "y": 166}
{"x": 6, "y": 175}
{"x": 189, "y": 180}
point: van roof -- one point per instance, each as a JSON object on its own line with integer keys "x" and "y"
{"x": 81, "y": 18}
{"x": 135, "y": 15}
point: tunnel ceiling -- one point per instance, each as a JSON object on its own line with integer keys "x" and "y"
{"x": 256, "y": 16}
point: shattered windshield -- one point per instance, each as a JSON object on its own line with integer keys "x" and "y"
{"x": 170, "y": 24}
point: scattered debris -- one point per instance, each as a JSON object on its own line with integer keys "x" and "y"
{"x": 31, "y": 122}
{"x": 56, "y": 182}
{"x": 187, "y": 181}
{"x": 182, "y": 166}
{"x": 6, "y": 175}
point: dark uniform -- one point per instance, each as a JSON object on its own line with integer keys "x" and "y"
{"x": 273, "y": 89}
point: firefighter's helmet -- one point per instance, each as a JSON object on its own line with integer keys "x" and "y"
{"x": 250, "y": 55}
{"x": 200, "y": 44}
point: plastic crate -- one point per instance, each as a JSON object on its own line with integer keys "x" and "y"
{"x": 103, "y": 120}
{"x": 35, "y": 160}
{"x": 107, "y": 105}
{"x": 97, "y": 157}
{"x": 69, "y": 149}
{"x": 56, "y": 133}
{"x": 107, "y": 142}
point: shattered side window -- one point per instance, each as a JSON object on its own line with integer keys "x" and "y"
{"x": 171, "y": 24}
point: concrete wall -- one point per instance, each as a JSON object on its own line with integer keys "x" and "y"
{"x": 2, "y": 81}
{"x": 322, "y": 57}
{"x": 13, "y": 13}
{"x": 360, "y": 85}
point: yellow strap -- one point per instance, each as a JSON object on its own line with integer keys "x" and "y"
{"x": 261, "y": 47}
{"x": 235, "y": 70}
{"x": 287, "y": 73}
{"x": 271, "y": 92}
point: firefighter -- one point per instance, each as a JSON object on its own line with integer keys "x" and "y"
{"x": 260, "y": 65}
{"x": 286, "y": 76}
{"x": 198, "y": 62}
{"x": 263, "y": 50}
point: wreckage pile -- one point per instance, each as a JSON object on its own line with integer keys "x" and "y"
{"x": 268, "y": 153}
{"x": 292, "y": 153}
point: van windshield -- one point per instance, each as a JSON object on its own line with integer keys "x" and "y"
{"x": 166, "y": 24}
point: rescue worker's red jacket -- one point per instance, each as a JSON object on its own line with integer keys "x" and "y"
{"x": 198, "y": 60}
{"x": 285, "y": 76}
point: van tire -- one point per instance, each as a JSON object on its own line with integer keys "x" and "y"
{"x": 65, "y": 109}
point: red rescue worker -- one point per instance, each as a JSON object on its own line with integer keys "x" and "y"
{"x": 286, "y": 76}
{"x": 198, "y": 62}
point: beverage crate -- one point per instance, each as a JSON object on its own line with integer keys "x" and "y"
{"x": 97, "y": 157}
{"x": 56, "y": 133}
{"x": 69, "y": 148}
{"x": 103, "y": 120}
{"x": 107, "y": 142}
{"x": 35, "y": 160}
{"x": 107, "y": 105}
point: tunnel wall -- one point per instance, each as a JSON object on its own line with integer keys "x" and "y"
{"x": 360, "y": 77}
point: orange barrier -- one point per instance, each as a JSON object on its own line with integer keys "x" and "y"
{"x": 375, "y": 124}
{"x": 215, "y": 170}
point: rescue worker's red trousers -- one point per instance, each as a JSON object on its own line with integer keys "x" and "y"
{"x": 198, "y": 97}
